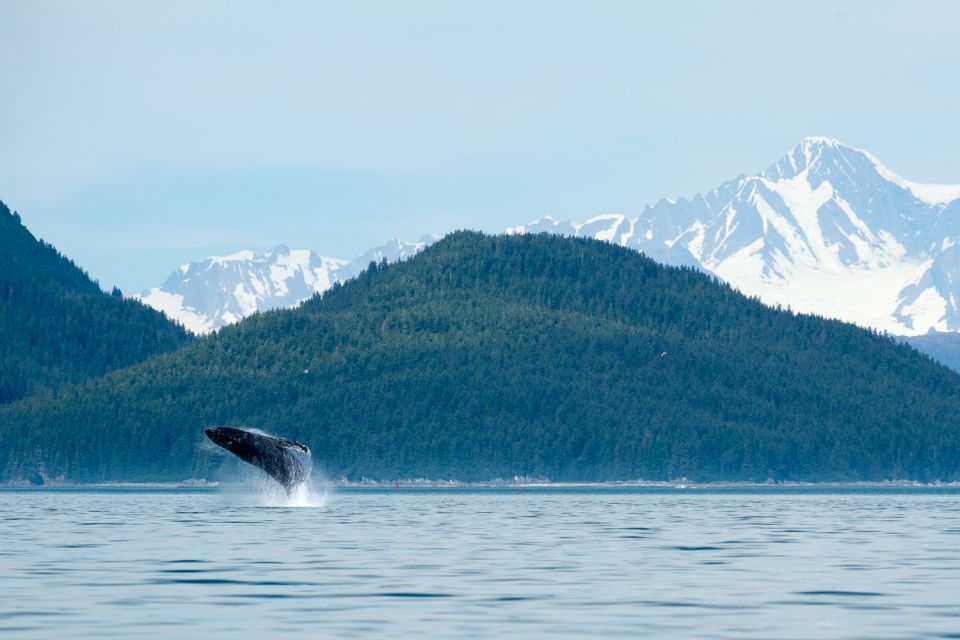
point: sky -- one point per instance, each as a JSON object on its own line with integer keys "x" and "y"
{"x": 136, "y": 136}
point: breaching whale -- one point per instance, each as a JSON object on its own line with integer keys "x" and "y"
{"x": 286, "y": 461}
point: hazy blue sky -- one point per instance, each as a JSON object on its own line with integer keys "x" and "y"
{"x": 136, "y": 136}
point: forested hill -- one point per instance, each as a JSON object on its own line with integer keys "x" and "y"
{"x": 534, "y": 355}
{"x": 57, "y": 326}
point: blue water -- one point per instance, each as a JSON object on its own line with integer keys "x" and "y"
{"x": 755, "y": 563}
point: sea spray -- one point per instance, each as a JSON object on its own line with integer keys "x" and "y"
{"x": 250, "y": 487}
{"x": 313, "y": 492}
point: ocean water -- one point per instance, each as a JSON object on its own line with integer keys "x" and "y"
{"x": 479, "y": 563}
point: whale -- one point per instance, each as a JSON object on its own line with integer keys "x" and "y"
{"x": 285, "y": 461}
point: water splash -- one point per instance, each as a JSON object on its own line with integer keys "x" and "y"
{"x": 260, "y": 489}
{"x": 305, "y": 494}
{"x": 256, "y": 489}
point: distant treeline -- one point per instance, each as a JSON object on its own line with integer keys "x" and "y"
{"x": 532, "y": 355}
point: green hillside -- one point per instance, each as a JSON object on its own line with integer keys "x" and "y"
{"x": 57, "y": 326}
{"x": 542, "y": 356}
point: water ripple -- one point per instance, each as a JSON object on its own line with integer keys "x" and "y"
{"x": 751, "y": 563}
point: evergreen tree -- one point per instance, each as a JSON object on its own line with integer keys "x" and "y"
{"x": 539, "y": 356}
{"x": 57, "y": 326}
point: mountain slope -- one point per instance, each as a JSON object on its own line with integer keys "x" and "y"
{"x": 220, "y": 290}
{"x": 518, "y": 355}
{"x": 827, "y": 229}
{"x": 57, "y": 326}
{"x": 207, "y": 295}
{"x": 942, "y": 347}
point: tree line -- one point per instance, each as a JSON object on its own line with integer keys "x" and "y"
{"x": 533, "y": 355}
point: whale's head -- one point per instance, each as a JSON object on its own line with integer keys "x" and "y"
{"x": 226, "y": 437}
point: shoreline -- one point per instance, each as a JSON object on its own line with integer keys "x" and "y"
{"x": 393, "y": 485}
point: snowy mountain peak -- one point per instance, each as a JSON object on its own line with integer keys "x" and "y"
{"x": 812, "y": 154}
{"x": 822, "y": 158}
{"x": 826, "y": 229}
{"x": 240, "y": 256}
{"x": 209, "y": 294}
{"x": 823, "y": 141}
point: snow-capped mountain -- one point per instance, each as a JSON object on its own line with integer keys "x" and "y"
{"x": 391, "y": 251}
{"x": 220, "y": 290}
{"x": 827, "y": 229}
{"x": 211, "y": 293}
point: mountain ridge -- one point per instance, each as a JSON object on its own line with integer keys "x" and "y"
{"x": 208, "y": 294}
{"x": 532, "y": 355}
{"x": 58, "y": 326}
{"x": 826, "y": 229}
